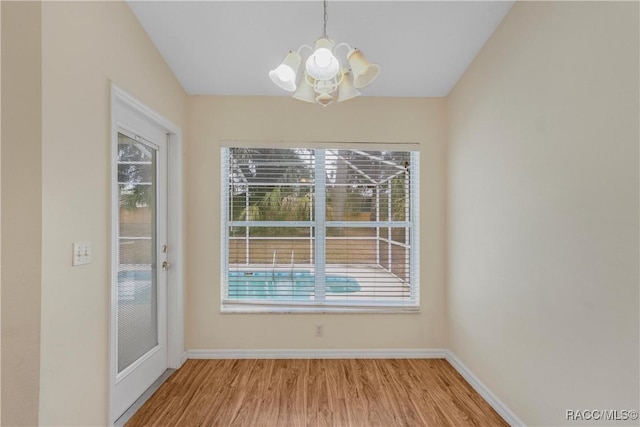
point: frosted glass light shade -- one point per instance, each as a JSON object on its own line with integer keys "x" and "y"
{"x": 346, "y": 90}
{"x": 364, "y": 73}
{"x": 322, "y": 63}
{"x": 305, "y": 92}
{"x": 285, "y": 74}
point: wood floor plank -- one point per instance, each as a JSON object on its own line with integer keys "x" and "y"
{"x": 317, "y": 398}
{"x": 316, "y": 392}
{"x": 399, "y": 387}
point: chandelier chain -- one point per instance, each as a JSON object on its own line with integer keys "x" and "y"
{"x": 326, "y": 18}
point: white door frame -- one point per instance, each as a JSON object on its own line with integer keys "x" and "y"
{"x": 176, "y": 354}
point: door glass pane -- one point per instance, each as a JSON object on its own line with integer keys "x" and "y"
{"x": 137, "y": 269}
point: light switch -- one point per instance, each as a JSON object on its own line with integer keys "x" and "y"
{"x": 81, "y": 253}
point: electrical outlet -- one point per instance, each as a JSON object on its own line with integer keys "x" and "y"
{"x": 81, "y": 253}
{"x": 318, "y": 330}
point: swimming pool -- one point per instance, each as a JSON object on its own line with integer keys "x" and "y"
{"x": 277, "y": 285}
{"x": 134, "y": 284}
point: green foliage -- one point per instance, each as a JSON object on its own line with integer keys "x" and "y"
{"x": 271, "y": 204}
{"x": 398, "y": 198}
{"x": 140, "y": 196}
{"x": 252, "y": 213}
{"x": 349, "y": 194}
{"x": 279, "y": 204}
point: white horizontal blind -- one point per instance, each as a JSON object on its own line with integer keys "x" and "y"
{"x": 320, "y": 228}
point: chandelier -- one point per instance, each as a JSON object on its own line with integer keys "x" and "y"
{"x": 324, "y": 78}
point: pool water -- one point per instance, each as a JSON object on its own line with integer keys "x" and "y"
{"x": 284, "y": 285}
{"x": 134, "y": 286}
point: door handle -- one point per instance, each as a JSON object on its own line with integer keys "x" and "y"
{"x": 165, "y": 265}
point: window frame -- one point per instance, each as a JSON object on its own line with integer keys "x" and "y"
{"x": 320, "y": 224}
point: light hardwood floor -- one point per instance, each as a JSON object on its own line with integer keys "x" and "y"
{"x": 316, "y": 392}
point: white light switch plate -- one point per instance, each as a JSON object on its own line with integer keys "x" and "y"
{"x": 81, "y": 253}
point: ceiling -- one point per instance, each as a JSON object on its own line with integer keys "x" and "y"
{"x": 228, "y": 47}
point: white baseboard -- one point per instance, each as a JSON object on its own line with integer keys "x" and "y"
{"x": 483, "y": 390}
{"x": 320, "y": 354}
{"x": 185, "y": 356}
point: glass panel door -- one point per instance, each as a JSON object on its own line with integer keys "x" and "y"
{"x": 138, "y": 352}
{"x": 137, "y": 257}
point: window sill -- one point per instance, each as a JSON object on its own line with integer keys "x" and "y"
{"x": 319, "y": 310}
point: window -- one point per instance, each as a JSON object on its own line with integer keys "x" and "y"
{"x": 319, "y": 229}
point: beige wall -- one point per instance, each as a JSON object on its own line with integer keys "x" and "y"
{"x": 543, "y": 220}
{"x": 215, "y": 119}
{"x": 21, "y": 212}
{"x": 84, "y": 46}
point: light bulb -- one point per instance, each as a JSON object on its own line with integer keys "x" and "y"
{"x": 322, "y": 57}
{"x": 322, "y": 65}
